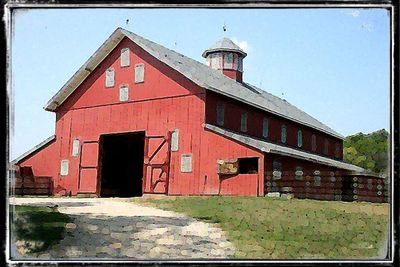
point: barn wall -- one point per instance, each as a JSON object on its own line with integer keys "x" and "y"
{"x": 42, "y": 161}
{"x": 335, "y": 184}
{"x": 160, "y": 81}
{"x": 255, "y": 117}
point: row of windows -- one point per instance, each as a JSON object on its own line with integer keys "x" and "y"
{"x": 125, "y": 62}
{"x": 265, "y": 131}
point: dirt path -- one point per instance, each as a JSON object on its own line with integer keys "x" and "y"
{"x": 114, "y": 228}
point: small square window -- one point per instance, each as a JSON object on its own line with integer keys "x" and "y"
{"x": 139, "y": 73}
{"x": 248, "y": 165}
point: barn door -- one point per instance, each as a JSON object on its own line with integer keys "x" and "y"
{"x": 156, "y": 164}
{"x": 88, "y": 167}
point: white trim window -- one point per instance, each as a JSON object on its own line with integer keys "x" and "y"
{"x": 299, "y": 138}
{"x": 125, "y": 57}
{"x": 75, "y": 147}
{"x": 215, "y": 61}
{"x": 243, "y": 122}
{"x": 139, "y": 73}
{"x": 228, "y": 61}
{"x": 265, "y": 129}
{"x": 124, "y": 93}
{"x": 283, "y": 133}
{"x": 110, "y": 77}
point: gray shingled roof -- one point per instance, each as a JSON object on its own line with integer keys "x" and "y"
{"x": 225, "y": 44}
{"x": 199, "y": 73}
{"x": 286, "y": 151}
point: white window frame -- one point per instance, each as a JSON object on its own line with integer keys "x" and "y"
{"x": 186, "y": 163}
{"x": 110, "y": 83}
{"x": 299, "y": 138}
{"x": 64, "y": 167}
{"x": 76, "y": 143}
{"x": 283, "y": 134}
{"x": 228, "y": 65}
{"x": 139, "y": 79}
{"x": 127, "y": 93}
{"x": 265, "y": 127}
{"x": 125, "y": 57}
{"x": 243, "y": 122}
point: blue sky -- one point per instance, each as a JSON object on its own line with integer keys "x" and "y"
{"x": 331, "y": 63}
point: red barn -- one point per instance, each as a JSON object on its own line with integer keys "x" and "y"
{"x": 140, "y": 118}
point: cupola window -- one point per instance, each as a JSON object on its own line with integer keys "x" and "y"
{"x": 228, "y": 61}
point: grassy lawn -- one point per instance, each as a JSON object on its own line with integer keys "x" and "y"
{"x": 39, "y": 227}
{"x": 289, "y": 229}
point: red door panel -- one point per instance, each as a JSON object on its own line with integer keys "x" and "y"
{"x": 88, "y": 180}
{"x": 90, "y": 152}
{"x": 88, "y": 167}
{"x": 156, "y": 164}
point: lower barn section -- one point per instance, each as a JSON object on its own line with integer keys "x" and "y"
{"x": 129, "y": 164}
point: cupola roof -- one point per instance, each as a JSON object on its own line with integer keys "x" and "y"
{"x": 224, "y": 45}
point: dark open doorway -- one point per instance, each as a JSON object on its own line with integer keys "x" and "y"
{"x": 121, "y": 161}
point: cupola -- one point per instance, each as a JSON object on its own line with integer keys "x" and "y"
{"x": 226, "y": 56}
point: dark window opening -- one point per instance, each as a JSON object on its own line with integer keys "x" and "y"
{"x": 248, "y": 165}
{"x": 121, "y": 159}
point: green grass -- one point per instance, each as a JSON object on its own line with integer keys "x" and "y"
{"x": 39, "y": 224}
{"x": 263, "y": 228}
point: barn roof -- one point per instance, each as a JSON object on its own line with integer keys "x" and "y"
{"x": 269, "y": 147}
{"x": 225, "y": 44}
{"x": 33, "y": 149}
{"x": 197, "y": 72}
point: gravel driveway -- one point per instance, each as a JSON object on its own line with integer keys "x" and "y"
{"x": 115, "y": 228}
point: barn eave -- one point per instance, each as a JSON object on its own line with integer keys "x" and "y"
{"x": 268, "y": 147}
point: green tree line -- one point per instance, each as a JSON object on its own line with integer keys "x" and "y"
{"x": 369, "y": 151}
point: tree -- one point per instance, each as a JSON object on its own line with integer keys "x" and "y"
{"x": 369, "y": 151}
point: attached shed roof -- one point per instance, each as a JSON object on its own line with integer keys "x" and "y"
{"x": 199, "y": 73}
{"x": 286, "y": 151}
{"x": 33, "y": 150}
